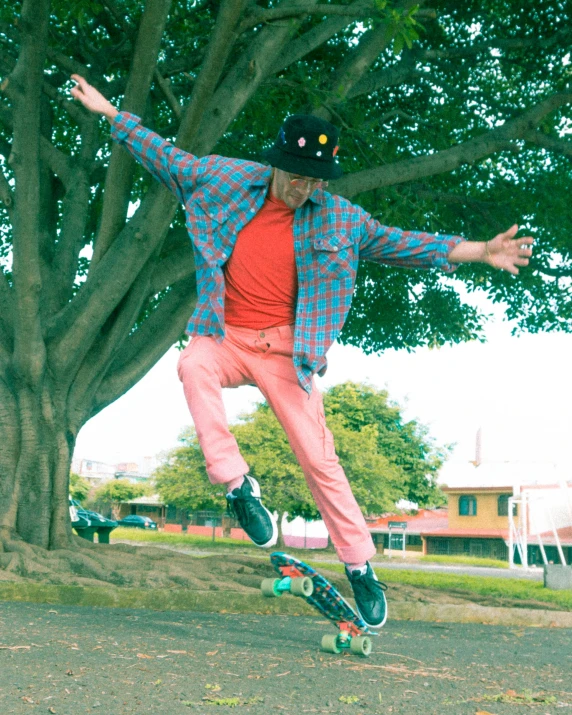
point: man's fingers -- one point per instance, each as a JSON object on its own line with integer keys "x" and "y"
{"x": 511, "y": 233}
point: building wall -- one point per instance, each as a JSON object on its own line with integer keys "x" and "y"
{"x": 480, "y": 548}
{"x": 487, "y": 512}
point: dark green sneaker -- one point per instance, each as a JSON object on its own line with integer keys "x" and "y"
{"x": 370, "y": 596}
{"x": 252, "y": 515}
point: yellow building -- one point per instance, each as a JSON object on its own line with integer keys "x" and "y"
{"x": 477, "y": 524}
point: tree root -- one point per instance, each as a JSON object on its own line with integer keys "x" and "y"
{"x": 88, "y": 564}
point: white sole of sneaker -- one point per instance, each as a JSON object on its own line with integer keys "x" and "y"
{"x": 369, "y": 625}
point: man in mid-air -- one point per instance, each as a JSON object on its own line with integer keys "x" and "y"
{"x": 276, "y": 258}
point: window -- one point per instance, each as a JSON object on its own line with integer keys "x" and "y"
{"x": 467, "y": 506}
{"x": 502, "y": 506}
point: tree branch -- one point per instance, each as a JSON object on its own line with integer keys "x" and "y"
{"x": 355, "y": 12}
{"x": 559, "y": 272}
{"x": 148, "y": 345}
{"x": 112, "y": 336}
{"x": 72, "y": 332}
{"x": 317, "y": 36}
{"x": 449, "y": 159}
{"x": 6, "y": 303}
{"x": 243, "y": 80}
{"x": 360, "y": 59}
{"x": 223, "y": 38}
{"x": 6, "y": 195}
{"x": 545, "y": 141}
{"x": 24, "y": 87}
{"x": 388, "y": 77}
{"x": 509, "y": 45}
{"x": 121, "y": 166}
{"x": 172, "y": 101}
{"x": 176, "y": 266}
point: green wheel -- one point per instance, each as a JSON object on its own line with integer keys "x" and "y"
{"x": 330, "y": 644}
{"x": 268, "y": 587}
{"x": 302, "y": 586}
{"x": 361, "y": 645}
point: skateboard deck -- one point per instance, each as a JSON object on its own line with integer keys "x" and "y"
{"x": 304, "y": 581}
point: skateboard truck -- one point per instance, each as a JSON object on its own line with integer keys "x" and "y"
{"x": 348, "y": 638}
{"x": 292, "y": 582}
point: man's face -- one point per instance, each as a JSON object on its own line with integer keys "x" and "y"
{"x": 294, "y": 189}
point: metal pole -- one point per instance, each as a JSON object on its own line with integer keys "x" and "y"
{"x": 389, "y": 549}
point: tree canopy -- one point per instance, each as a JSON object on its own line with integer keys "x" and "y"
{"x": 455, "y": 118}
{"x": 385, "y": 458}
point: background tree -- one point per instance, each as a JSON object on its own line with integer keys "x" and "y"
{"x": 117, "y": 491}
{"x": 79, "y": 487}
{"x": 385, "y": 458}
{"x": 406, "y": 445}
{"x": 455, "y": 118}
{"x": 182, "y": 479}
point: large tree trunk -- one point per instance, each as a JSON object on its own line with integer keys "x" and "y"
{"x": 36, "y": 447}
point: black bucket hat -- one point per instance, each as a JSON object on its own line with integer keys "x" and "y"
{"x": 306, "y": 145}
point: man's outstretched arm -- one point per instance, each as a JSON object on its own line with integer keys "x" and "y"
{"x": 177, "y": 169}
{"x": 504, "y": 251}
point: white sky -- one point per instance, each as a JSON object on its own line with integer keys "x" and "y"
{"x": 517, "y": 389}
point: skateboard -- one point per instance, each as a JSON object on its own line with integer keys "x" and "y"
{"x": 302, "y": 580}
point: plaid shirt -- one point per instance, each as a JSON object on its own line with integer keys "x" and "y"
{"x": 331, "y": 235}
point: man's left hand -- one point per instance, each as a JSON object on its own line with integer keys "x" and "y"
{"x": 508, "y": 253}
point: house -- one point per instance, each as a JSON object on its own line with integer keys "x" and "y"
{"x": 151, "y": 506}
{"x": 417, "y": 524}
{"x": 479, "y": 524}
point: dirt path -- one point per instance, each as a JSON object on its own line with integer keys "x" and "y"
{"x": 68, "y": 660}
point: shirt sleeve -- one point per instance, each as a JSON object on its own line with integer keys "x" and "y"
{"x": 412, "y": 249}
{"x": 175, "y": 168}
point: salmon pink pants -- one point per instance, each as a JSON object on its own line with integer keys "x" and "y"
{"x": 264, "y": 358}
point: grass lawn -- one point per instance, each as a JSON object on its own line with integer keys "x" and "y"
{"x": 466, "y": 560}
{"x": 180, "y": 539}
{"x": 509, "y": 588}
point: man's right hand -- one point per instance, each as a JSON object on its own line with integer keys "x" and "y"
{"x": 92, "y": 99}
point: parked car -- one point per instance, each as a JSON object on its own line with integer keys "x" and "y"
{"x": 137, "y": 522}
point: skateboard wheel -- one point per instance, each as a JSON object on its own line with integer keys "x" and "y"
{"x": 361, "y": 645}
{"x": 302, "y": 586}
{"x": 268, "y": 587}
{"x": 330, "y": 644}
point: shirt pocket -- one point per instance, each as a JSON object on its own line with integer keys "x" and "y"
{"x": 205, "y": 204}
{"x": 334, "y": 253}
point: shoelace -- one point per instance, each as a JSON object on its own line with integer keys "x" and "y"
{"x": 370, "y": 584}
{"x": 241, "y": 507}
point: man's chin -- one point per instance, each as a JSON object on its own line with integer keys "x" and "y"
{"x": 293, "y": 203}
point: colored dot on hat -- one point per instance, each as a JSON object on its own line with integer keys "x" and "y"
{"x": 323, "y": 139}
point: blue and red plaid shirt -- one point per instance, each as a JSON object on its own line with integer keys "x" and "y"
{"x": 331, "y": 235}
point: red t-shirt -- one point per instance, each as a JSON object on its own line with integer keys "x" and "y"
{"x": 260, "y": 275}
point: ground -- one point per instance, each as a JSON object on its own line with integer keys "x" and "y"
{"x": 68, "y": 660}
{"x": 151, "y": 568}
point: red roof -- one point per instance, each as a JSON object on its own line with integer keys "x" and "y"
{"x": 424, "y": 520}
{"x": 565, "y": 536}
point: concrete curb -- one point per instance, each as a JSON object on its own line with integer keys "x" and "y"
{"x": 240, "y": 602}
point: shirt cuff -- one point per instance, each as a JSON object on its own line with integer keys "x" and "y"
{"x": 447, "y": 244}
{"x": 123, "y": 124}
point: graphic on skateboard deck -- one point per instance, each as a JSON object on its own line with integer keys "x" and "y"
{"x": 302, "y": 580}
